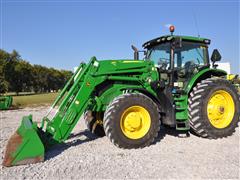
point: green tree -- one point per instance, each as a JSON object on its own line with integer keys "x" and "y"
{"x": 18, "y": 75}
{"x": 10, "y": 59}
{"x": 23, "y": 81}
{"x": 4, "y": 85}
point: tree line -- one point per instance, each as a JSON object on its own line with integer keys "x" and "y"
{"x": 18, "y": 75}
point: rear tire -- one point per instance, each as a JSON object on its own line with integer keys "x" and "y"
{"x": 132, "y": 121}
{"x": 214, "y": 108}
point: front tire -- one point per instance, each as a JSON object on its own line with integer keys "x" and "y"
{"x": 132, "y": 121}
{"x": 214, "y": 108}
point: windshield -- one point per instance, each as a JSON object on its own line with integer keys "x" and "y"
{"x": 193, "y": 53}
{"x": 159, "y": 54}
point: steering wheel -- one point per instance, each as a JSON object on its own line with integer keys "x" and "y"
{"x": 188, "y": 68}
{"x": 190, "y": 65}
{"x": 163, "y": 63}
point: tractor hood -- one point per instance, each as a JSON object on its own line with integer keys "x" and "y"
{"x": 123, "y": 66}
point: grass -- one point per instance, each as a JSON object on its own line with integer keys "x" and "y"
{"x": 20, "y": 93}
{"x": 34, "y": 100}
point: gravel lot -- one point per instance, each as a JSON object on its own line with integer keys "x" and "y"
{"x": 88, "y": 157}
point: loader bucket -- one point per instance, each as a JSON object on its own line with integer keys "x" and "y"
{"x": 25, "y": 145}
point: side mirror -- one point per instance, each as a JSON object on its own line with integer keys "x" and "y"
{"x": 216, "y": 56}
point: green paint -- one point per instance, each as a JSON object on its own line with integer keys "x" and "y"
{"x": 204, "y": 74}
{"x": 181, "y": 108}
{"x": 5, "y": 102}
{"x": 31, "y": 145}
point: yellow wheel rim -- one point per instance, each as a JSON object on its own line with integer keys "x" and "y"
{"x": 220, "y": 109}
{"x": 135, "y": 122}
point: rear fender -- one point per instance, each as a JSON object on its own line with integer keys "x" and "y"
{"x": 204, "y": 74}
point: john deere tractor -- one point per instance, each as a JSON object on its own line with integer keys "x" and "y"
{"x": 128, "y": 100}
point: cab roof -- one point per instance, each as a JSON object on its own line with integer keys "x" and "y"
{"x": 168, "y": 38}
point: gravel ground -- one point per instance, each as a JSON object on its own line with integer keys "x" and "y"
{"x": 88, "y": 157}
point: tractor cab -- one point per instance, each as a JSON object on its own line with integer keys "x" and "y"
{"x": 178, "y": 58}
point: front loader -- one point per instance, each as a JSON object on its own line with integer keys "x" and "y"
{"x": 128, "y": 100}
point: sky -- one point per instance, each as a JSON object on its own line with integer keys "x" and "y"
{"x": 61, "y": 34}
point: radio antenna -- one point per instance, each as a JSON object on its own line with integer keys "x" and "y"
{"x": 196, "y": 24}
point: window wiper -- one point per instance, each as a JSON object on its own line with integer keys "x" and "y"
{"x": 150, "y": 53}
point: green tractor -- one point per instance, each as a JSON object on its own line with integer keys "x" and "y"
{"x": 128, "y": 100}
{"x": 5, "y": 102}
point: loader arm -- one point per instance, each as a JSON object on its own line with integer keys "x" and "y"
{"x": 74, "y": 101}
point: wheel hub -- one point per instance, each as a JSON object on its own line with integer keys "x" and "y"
{"x": 220, "y": 109}
{"x": 135, "y": 122}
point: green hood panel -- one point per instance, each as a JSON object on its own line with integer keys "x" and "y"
{"x": 123, "y": 66}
